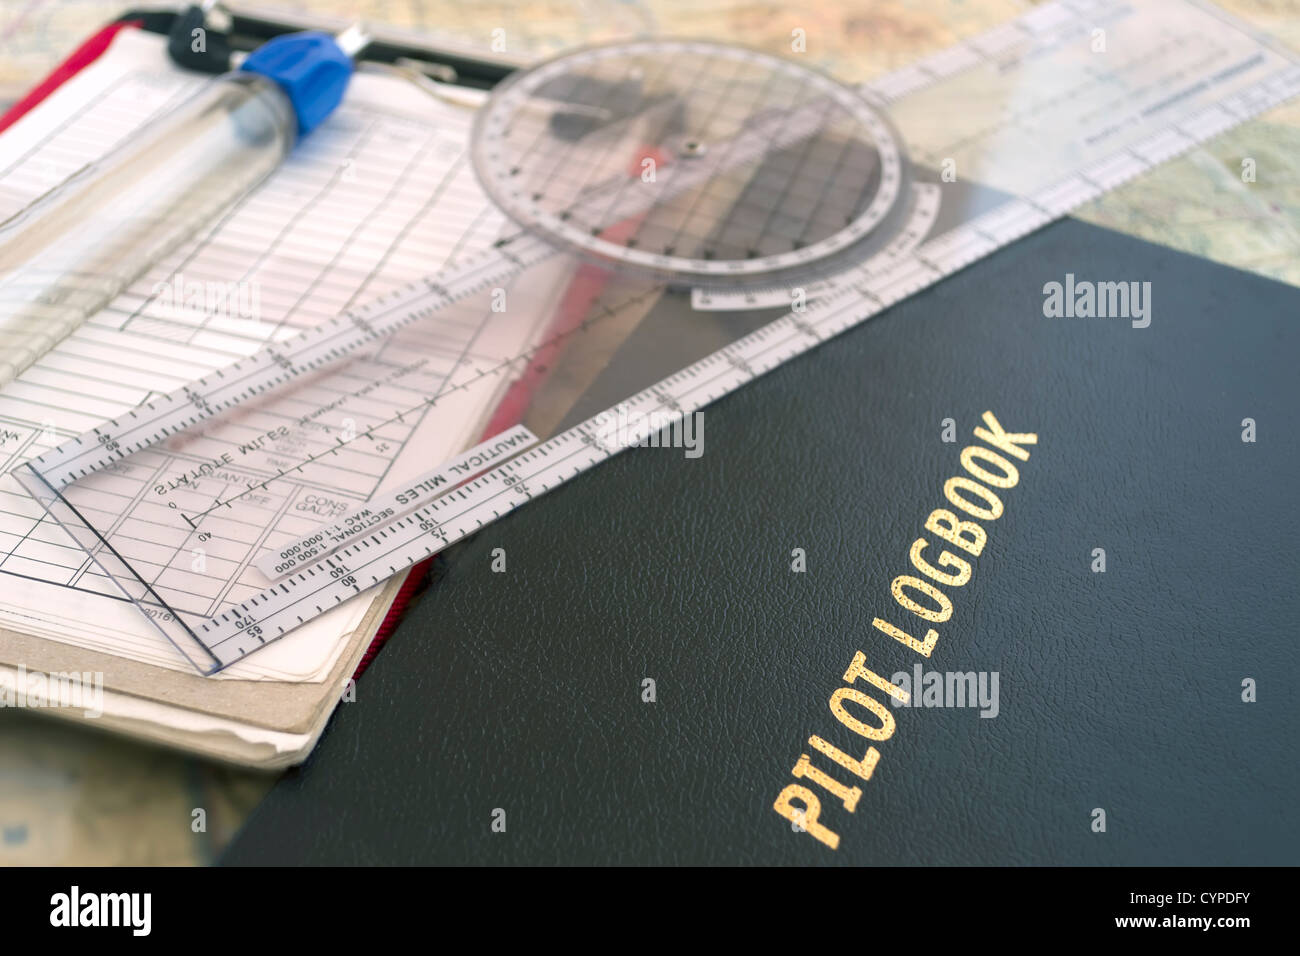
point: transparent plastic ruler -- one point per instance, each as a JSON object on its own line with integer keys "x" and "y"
{"x": 1031, "y": 177}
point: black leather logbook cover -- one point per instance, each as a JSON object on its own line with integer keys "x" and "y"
{"x": 644, "y": 680}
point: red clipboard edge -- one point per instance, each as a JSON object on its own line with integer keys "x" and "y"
{"x": 81, "y": 57}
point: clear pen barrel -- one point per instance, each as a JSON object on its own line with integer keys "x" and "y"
{"x": 66, "y": 255}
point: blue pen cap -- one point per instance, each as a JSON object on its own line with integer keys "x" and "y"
{"x": 311, "y": 68}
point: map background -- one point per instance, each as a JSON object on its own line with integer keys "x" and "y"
{"x": 70, "y": 795}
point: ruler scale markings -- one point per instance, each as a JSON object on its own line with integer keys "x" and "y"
{"x": 410, "y": 548}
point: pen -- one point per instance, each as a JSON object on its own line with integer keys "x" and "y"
{"x": 71, "y": 251}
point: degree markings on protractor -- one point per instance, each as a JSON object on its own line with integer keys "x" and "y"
{"x": 717, "y": 104}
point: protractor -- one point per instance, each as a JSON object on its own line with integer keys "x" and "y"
{"x": 696, "y": 161}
